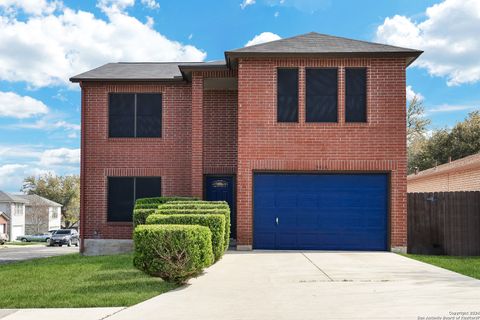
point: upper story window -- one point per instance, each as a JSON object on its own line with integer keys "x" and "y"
{"x": 355, "y": 95}
{"x": 124, "y": 191}
{"x": 135, "y": 115}
{"x": 287, "y": 95}
{"x": 321, "y": 95}
{"x": 18, "y": 209}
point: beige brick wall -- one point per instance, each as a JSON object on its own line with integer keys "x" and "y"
{"x": 454, "y": 180}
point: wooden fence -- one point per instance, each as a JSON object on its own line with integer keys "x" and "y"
{"x": 444, "y": 223}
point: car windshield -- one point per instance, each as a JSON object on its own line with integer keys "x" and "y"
{"x": 62, "y": 232}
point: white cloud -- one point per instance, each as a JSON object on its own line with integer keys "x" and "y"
{"x": 246, "y": 3}
{"x": 16, "y": 106}
{"x": 11, "y": 177}
{"x": 61, "y": 156}
{"x": 450, "y": 108}
{"x": 34, "y": 7}
{"x": 151, "y": 4}
{"x": 263, "y": 37}
{"x": 276, "y": 14}
{"x": 448, "y": 35}
{"x": 20, "y": 161}
{"x": 411, "y": 94}
{"x": 114, "y": 5}
{"x": 47, "y": 50}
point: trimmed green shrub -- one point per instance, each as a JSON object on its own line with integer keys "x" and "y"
{"x": 140, "y": 216}
{"x": 174, "y": 253}
{"x": 201, "y": 208}
{"x": 215, "y": 222}
{"x": 152, "y": 203}
{"x": 146, "y": 206}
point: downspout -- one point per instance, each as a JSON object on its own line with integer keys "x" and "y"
{"x": 82, "y": 170}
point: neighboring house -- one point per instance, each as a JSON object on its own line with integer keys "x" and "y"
{"x": 4, "y": 226}
{"x": 28, "y": 214}
{"x": 459, "y": 175}
{"x": 305, "y": 137}
{"x": 41, "y": 214}
{"x": 13, "y": 207}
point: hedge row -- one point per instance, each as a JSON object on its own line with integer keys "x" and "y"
{"x": 200, "y": 207}
{"x": 169, "y": 237}
{"x": 146, "y": 206}
{"x": 215, "y": 222}
{"x": 173, "y": 252}
{"x": 152, "y": 203}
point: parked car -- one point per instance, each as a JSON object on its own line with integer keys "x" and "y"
{"x": 3, "y": 238}
{"x": 37, "y": 237}
{"x": 64, "y": 236}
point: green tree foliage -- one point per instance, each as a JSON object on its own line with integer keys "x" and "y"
{"x": 64, "y": 190}
{"x": 461, "y": 141}
{"x": 416, "y": 122}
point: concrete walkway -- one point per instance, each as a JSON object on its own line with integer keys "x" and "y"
{"x": 57, "y": 314}
{"x": 314, "y": 285}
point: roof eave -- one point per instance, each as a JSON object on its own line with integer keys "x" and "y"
{"x": 176, "y": 79}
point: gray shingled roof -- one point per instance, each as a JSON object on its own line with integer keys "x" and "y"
{"x": 146, "y": 71}
{"x": 8, "y": 197}
{"x": 323, "y": 45}
{"x": 132, "y": 71}
{"x": 320, "y": 43}
{"x": 307, "y": 44}
{"x": 36, "y": 199}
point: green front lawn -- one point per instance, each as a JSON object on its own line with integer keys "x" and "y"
{"x": 77, "y": 281}
{"x": 469, "y": 266}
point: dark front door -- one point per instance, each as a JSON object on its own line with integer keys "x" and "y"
{"x": 222, "y": 188}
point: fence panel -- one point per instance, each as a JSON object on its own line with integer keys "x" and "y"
{"x": 444, "y": 223}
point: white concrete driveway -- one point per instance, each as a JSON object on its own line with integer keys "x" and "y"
{"x": 315, "y": 285}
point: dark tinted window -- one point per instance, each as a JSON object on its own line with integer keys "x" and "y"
{"x": 355, "y": 95}
{"x": 147, "y": 187}
{"x": 120, "y": 198}
{"x": 63, "y": 232}
{"x": 121, "y": 111}
{"x": 135, "y": 115}
{"x": 123, "y": 191}
{"x": 149, "y": 115}
{"x": 321, "y": 89}
{"x": 287, "y": 95}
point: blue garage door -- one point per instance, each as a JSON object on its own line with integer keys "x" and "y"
{"x": 320, "y": 211}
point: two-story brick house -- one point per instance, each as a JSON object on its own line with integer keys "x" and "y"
{"x": 305, "y": 137}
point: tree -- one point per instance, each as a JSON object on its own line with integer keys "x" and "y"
{"x": 461, "y": 141}
{"x": 64, "y": 190}
{"x": 36, "y": 218}
{"x": 416, "y": 122}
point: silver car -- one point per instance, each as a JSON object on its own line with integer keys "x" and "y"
{"x": 37, "y": 237}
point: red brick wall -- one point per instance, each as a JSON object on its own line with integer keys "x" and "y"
{"x": 379, "y": 145}
{"x": 220, "y": 132}
{"x": 168, "y": 156}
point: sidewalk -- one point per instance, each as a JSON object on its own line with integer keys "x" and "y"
{"x": 62, "y": 313}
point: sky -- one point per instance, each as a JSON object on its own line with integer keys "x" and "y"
{"x": 45, "y": 42}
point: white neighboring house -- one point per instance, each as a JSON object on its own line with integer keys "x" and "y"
{"x": 41, "y": 214}
{"x": 29, "y": 214}
{"x": 14, "y": 207}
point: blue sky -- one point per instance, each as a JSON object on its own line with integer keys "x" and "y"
{"x": 43, "y": 43}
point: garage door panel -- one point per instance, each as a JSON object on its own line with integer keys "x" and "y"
{"x": 265, "y": 199}
{"x": 321, "y": 211}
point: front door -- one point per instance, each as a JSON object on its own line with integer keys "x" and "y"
{"x": 222, "y": 188}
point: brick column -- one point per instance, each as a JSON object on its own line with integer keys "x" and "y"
{"x": 197, "y": 135}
